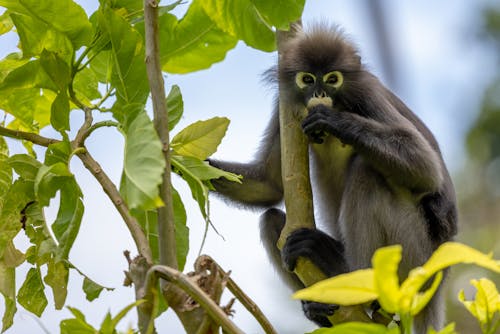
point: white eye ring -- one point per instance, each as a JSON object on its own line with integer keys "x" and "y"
{"x": 303, "y": 79}
{"x": 334, "y": 79}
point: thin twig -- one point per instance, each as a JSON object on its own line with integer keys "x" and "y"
{"x": 28, "y": 136}
{"x": 246, "y": 301}
{"x": 110, "y": 189}
{"x": 97, "y": 126}
{"x": 193, "y": 290}
{"x": 166, "y": 228}
{"x": 82, "y": 132}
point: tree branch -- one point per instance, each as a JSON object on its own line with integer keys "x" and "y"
{"x": 110, "y": 189}
{"x": 247, "y": 302}
{"x": 295, "y": 171}
{"x": 297, "y": 189}
{"x": 193, "y": 290}
{"x": 28, "y": 136}
{"x": 166, "y": 227}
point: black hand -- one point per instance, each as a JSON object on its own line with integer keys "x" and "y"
{"x": 324, "y": 251}
{"x": 319, "y": 122}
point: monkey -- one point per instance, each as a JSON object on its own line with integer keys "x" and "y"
{"x": 377, "y": 173}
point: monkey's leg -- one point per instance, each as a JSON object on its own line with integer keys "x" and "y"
{"x": 323, "y": 250}
{"x": 372, "y": 215}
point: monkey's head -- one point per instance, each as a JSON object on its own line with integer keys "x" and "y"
{"x": 319, "y": 67}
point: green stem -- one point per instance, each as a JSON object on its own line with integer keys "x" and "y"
{"x": 406, "y": 323}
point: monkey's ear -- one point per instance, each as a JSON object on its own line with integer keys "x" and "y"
{"x": 357, "y": 59}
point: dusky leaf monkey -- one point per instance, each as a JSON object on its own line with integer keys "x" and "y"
{"x": 377, "y": 173}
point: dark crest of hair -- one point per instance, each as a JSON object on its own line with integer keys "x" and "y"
{"x": 323, "y": 47}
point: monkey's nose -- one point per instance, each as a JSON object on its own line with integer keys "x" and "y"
{"x": 321, "y": 94}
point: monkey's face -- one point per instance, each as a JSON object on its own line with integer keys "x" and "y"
{"x": 318, "y": 88}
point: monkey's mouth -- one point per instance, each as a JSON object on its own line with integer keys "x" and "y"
{"x": 324, "y": 100}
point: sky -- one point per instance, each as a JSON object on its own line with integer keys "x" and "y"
{"x": 442, "y": 68}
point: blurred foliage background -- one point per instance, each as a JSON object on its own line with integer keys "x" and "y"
{"x": 478, "y": 183}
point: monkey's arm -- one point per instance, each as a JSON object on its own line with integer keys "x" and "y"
{"x": 261, "y": 184}
{"x": 396, "y": 148}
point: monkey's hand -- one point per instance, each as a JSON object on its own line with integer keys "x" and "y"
{"x": 324, "y": 251}
{"x": 320, "y": 121}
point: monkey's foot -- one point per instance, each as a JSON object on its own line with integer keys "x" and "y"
{"x": 318, "y": 312}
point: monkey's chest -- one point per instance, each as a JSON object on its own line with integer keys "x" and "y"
{"x": 330, "y": 161}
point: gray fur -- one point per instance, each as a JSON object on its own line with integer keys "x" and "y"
{"x": 378, "y": 178}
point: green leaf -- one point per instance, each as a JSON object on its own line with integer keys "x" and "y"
{"x": 144, "y": 164}
{"x": 193, "y": 43}
{"x": 85, "y": 86}
{"x": 57, "y": 278}
{"x": 12, "y": 257}
{"x": 77, "y": 325}
{"x": 385, "y": 263}
{"x": 353, "y": 288}
{"x": 43, "y": 246}
{"x": 69, "y": 217}
{"x": 448, "y": 254}
{"x": 25, "y": 166}
{"x": 175, "y": 106}
{"x": 29, "y": 75}
{"x": 4, "y": 149}
{"x": 58, "y": 153}
{"x": 48, "y": 181}
{"x": 243, "y": 20}
{"x": 181, "y": 230}
{"x": 59, "y": 112}
{"x": 449, "y": 329}
{"x": 10, "y": 63}
{"x": 357, "y": 328}
{"x": 54, "y": 15}
{"x": 56, "y": 68}
{"x": 149, "y": 222}
{"x": 8, "y": 290}
{"x": 116, "y": 319}
{"x": 31, "y": 295}
{"x": 92, "y": 289}
{"x": 200, "y": 139}
{"x": 279, "y": 13}
{"x": 31, "y": 109}
{"x": 5, "y": 170}
{"x": 6, "y": 24}
{"x": 199, "y": 190}
{"x": 127, "y": 56}
{"x": 421, "y": 299}
{"x": 36, "y": 36}
{"x": 486, "y": 303}
{"x": 201, "y": 169}
{"x": 19, "y": 194}
{"x": 102, "y": 66}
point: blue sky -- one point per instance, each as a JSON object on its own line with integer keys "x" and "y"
{"x": 442, "y": 70}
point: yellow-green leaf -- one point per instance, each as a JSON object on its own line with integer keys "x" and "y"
{"x": 200, "y": 139}
{"x": 486, "y": 303}
{"x": 422, "y": 299}
{"x": 446, "y": 255}
{"x": 385, "y": 263}
{"x": 449, "y": 329}
{"x": 143, "y": 163}
{"x": 357, "y": 328}
{"x": 352, "y": 288}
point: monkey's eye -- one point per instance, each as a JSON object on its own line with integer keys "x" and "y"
{"x": 303, "y": 79}
{"x": 334, "y": 79}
